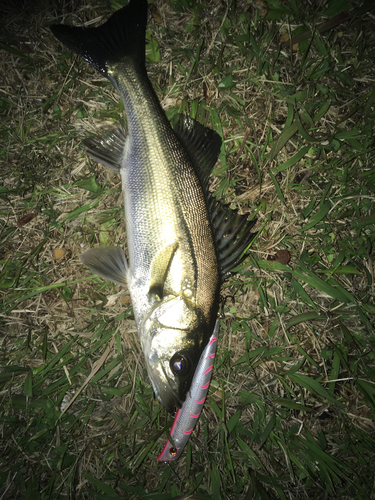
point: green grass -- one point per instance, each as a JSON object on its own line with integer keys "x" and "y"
{"x": 290, "y": 413}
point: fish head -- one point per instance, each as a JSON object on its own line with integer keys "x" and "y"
{"x": 173, "y": 337}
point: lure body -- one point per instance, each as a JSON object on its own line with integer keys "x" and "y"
{"x": 187, "y": 416}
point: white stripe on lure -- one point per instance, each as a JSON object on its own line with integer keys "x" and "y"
{"x": 187, "y": 416}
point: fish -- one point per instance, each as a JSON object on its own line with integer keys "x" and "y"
{"x": 182, "y": 243}
{"x": 187, "y": 417}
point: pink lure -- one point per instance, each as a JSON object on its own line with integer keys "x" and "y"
{"x": 187, "y": 416}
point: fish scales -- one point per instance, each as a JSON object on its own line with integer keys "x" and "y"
{"x": 156, "y": 168}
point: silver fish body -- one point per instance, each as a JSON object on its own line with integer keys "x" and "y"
{"x": 173, "y": 269}
{"x": 181, "y": 243}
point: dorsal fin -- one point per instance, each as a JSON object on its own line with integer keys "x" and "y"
{"x": 232, "y": 235}
{"x": 231, "y": 231}
{"x": 202, "y": 145}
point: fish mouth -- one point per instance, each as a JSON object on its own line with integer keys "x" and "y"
{"x": 163, "y": 389}
{"x": 170, "y": 399}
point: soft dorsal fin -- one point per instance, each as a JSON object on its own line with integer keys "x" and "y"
{"x": 232, "y": 235}
{"x": 202, "y": 144}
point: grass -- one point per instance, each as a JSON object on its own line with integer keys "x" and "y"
{"x": 290, "y": 413}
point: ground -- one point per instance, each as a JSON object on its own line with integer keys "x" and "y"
{"x": 290, "y": 412}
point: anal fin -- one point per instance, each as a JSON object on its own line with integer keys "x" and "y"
{"x": 108, "y": 149}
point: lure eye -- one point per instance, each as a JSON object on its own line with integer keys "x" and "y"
{"x": 179, "y": 364}
{"x": 173, "y": 451}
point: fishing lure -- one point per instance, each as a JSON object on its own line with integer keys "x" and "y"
{"x": 187, "y": 416}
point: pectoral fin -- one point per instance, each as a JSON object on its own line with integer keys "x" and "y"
{"x": 108, "y": 263}
{"x": 159, "y": 269}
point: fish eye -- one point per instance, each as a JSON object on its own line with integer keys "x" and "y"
{"x": 179, "y": 364}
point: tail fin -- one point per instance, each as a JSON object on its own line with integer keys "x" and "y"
{"x": 121, "y": 37}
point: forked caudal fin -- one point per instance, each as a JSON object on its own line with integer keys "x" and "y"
{"x": 122, "y": 37}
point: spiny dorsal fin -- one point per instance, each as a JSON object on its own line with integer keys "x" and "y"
{"x": 201, "y": 143}
{"x": 232, "y": 235}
